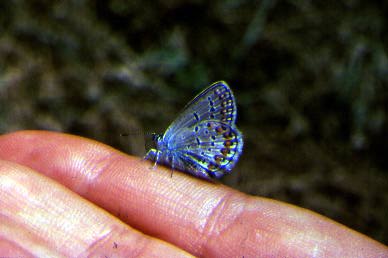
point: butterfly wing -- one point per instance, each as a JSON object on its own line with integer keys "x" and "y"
{"x": 211, "y": 148}
{"x": 214, "y": 103}
{"x": 204, "y": 139}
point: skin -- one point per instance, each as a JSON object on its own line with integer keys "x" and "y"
{"x": 67, "y": 196}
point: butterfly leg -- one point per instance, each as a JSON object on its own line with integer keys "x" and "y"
{"x": 172, "y": 165}
{"x": 153, "y": 155}
{"x": 156, "y": 160}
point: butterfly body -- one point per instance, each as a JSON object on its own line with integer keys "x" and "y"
{"x": 204, "y": 140}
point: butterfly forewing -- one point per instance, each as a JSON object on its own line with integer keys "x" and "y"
{"x": 214, "y": 103}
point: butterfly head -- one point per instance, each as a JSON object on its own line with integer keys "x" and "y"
{"x": 156, "y": 137}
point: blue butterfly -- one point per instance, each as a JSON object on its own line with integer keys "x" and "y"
{"x": 204, "y": 140}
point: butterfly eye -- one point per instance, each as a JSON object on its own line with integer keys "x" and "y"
{"x": 155, "y": 136}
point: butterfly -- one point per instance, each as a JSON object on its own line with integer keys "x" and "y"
{"x": 203, "y": 140}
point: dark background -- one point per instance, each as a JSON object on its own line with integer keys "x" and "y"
{"x": 310, "y": 79}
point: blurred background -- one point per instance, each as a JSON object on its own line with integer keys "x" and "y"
{"x": 310, "y": 79}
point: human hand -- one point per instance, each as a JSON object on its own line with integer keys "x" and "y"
{"x": 63, "y": 195}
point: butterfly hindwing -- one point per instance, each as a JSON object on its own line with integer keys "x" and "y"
{"x": 214, "y": 145}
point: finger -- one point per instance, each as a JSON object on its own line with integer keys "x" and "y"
{"x": 203, "y": 218}
{"x": 41, "y": 218}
